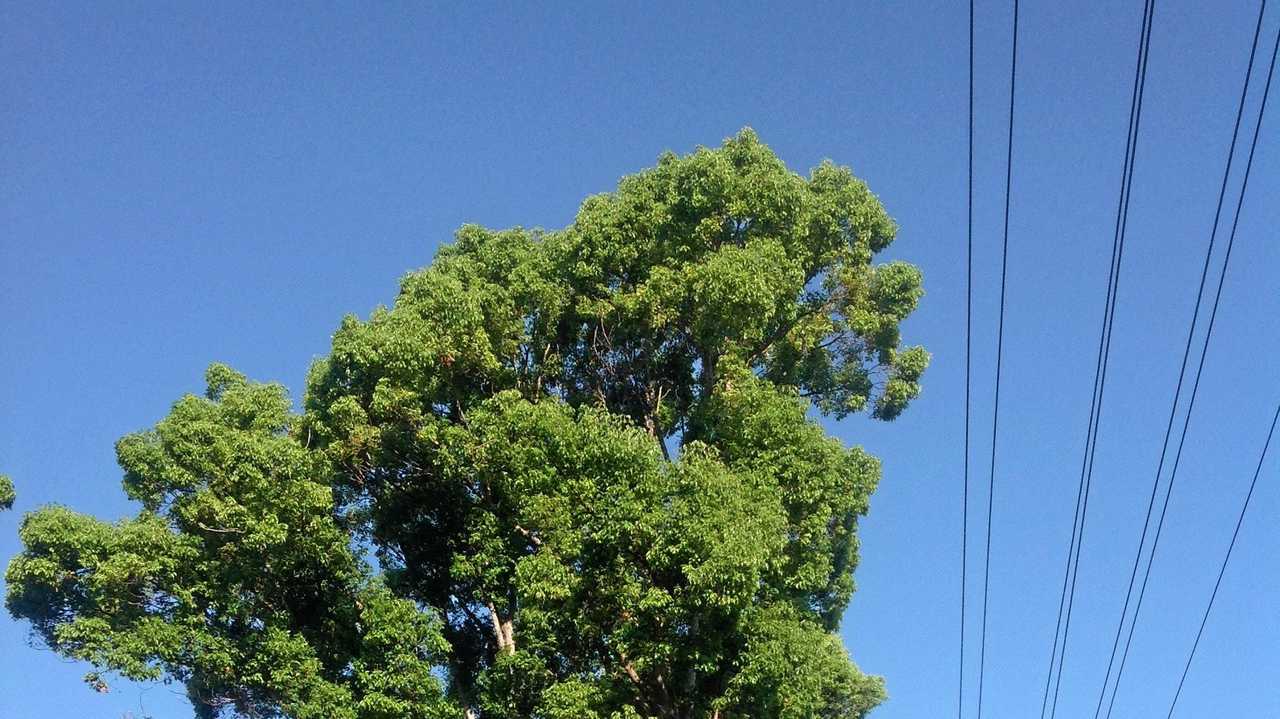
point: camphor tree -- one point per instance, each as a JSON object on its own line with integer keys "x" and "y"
{"x": 568, "y": 475}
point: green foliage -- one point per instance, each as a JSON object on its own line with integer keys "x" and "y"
{"x": 235, "y": 579}
{"x": 7, "y": 494}
{"x": 583, "y": 460}
{"x": 779, "y": 640}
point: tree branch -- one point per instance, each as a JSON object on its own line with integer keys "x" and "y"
{"x": 537, "y": 541}
{"x": 219, "y": 530}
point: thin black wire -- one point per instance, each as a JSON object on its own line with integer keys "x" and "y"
{"x": 1070, "y": 571}
{"x": 1181, "y": 377}
{"x": 995, "y": 415}
{"x": 968, "y": 364}
{"x": 1195, "y": 387}
{"x": 1181, "y": 373}
{"x": 1122, "y": 224}
{"x": 1223, "y": 569}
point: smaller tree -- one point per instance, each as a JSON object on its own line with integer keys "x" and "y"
{"x": 234, "y": 580}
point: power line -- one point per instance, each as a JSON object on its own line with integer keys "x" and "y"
{"x": 1122, "y": 223}
{"x": 968, "y": 372}
{"x": 1223, "y": 569}
{"x": 995, "y": 415}
{"x": 1200, "y": 369}
{"x": 1070, "y": 571}
{"x": 1195, "y": 387}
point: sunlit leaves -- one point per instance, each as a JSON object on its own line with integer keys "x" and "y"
{"x": 768, "y": 684}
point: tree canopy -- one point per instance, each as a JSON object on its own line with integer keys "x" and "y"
{"x": 568, "y": 474}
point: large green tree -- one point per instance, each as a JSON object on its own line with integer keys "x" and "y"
{"x": 568, "y": 475}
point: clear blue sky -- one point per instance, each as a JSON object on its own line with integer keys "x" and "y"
{"x": 182, "y": 183}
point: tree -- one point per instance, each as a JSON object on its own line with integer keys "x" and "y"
{"x": 7, "y": 495}
{"x": 583, "y": 461}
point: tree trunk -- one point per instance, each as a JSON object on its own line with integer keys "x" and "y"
{"x": 503, "y": 631}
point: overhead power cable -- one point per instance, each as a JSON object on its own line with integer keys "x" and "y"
{"x": 1227, "y": 558}
{"x": 1062, "y": 626}
{"x": 968, "y": 372}
{"x": 995, "y": 413}
{"x": 1195, "y": 386}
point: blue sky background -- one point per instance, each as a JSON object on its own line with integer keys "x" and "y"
{"x": 183, "y": 183}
